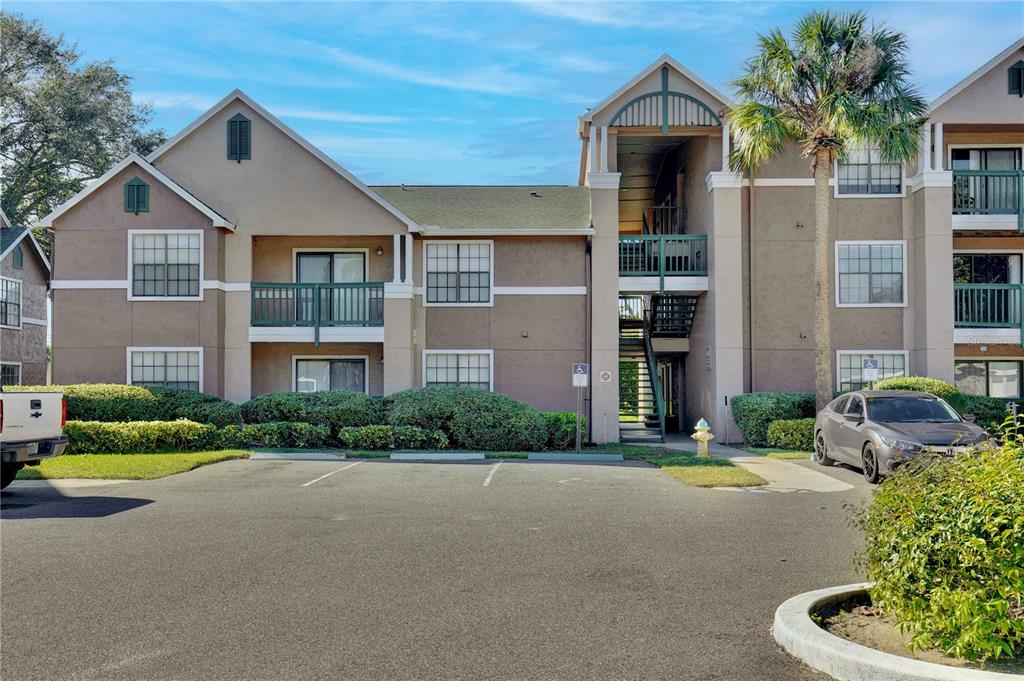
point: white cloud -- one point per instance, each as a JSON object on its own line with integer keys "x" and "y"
{"x": 175, "y": 100}
{"x": 334, "y": 116}
{"x": 582, "y": 63}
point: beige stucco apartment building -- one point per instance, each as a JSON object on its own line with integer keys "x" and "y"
{"x": 24, "y": 287}
{"x": 238, "y": 259}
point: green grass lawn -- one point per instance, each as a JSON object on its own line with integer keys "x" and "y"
{"x": 124, "y": 466}
{"x": 774, "y": 453}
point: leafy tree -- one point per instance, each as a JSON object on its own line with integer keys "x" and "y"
{"x": 836, "y": 85}
{"x": 62, "y": 122}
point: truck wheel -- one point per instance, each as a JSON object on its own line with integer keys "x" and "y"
{"x": 7, "y": 473}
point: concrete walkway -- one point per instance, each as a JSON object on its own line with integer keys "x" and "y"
{"x": 781, "y": 476}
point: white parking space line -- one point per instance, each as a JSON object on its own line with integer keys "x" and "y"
{"x": 490, "y": 476}
{"x": 327, "y": 475}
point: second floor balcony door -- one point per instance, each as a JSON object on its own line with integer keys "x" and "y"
{"x": 337, "y": 303}
{"x": 989, "y": 292}
{"x": 991, "y": 186}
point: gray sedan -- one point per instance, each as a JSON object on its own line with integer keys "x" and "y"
{"x": 877, "y": 430}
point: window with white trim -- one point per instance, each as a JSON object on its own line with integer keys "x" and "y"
{"x": 166, "y": 264}
{"x": 10, "y": 302}
{"x": 166, "y": 368}
{"x": 10, "y": 374}
{"x": 870, "y": 273}
{"x": 330, "y": 373}
{"x": 994, "y": 378}
{"x": 458, "y": 369}
{"x": 851, "y": 364}
{"x": 458, "y": 273}
{"x": 864, "y": 172}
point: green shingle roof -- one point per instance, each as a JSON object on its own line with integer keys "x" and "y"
{"x": 499, "y": 208}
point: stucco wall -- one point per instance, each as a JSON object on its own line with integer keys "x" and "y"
{"x": 274, "y": 256}
{"x": 272, "y": 363}
{"x": 986, "y": 100}
{"x": 27, "y": 345}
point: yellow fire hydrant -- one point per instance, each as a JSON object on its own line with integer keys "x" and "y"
{"x": 702, "y": 435}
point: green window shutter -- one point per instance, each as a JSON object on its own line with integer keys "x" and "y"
{"x": 239, "y": 138}
{"x": 1016, "y": 78}
{"x": 136, "y": 196}
{"x": 19, "y": 257}
{"x": 129, "y": 197}
{"x": 142, "y": 198}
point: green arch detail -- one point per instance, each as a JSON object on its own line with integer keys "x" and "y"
{"x": 701, "y": 106}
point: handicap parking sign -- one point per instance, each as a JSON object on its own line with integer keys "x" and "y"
{"x": 580, "y": 374}
{"x": 869, "y": 369}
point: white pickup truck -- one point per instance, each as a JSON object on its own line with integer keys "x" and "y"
{"x": 31, "y": 428}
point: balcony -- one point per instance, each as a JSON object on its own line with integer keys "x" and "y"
{"x": 987, "y": 313}
{"x": 347, "y": 312}
{"x": 988, "y": 199}
{"x": 663, "y": 262}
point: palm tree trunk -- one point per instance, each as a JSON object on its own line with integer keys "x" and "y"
{"x": 822, "y": 288}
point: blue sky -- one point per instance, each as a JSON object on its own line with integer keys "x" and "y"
{"x": 475, "y": 93}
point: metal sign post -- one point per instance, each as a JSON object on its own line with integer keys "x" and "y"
{"x": 869, "y": 370}
{"x": 580, "y": 380}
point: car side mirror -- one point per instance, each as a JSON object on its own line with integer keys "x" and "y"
{"x": 970, "y": 418}
{"x": 854, "y": 418}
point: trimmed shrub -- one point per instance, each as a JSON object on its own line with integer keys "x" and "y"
{"x": 470, "y": 418}
{"x": 391, "y": 437}
{"x": 945, "y": 547}
{"x": 286, "y": 434}
{"x": 989, "y": 412}
{"x": 231, "y": 437}
{"x": 139, "y": 437}
{"x": 562, "y": 429}
{"x": 792, "y": 434}
{"x": 195, "y": 406}
{"x": 335, "y": 409}
{"x": 921, "y": 384}
{"x": 754, "y": 412}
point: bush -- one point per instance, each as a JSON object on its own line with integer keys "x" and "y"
{"x": 391, "y": 437}
{"x": 989, "y": 412}
{"x": 284, "y": 434}
{"x": 792, "y": 434}
{"x": 139, "y": 437}
{"x": 921, "y": 384}
{"x": 945, "y": 547}
{"x": 562, "y": 429}
{"x": 335, "y": 409}
{"x": 754, "y": 412}
{"x": 195, "y": 406}
{"x": 470, "y": 418}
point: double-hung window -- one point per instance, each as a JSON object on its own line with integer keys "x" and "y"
{"x": 458, "y": 368}
{"x": 459, "y": 273}
{"x": 166, "y": 367}
{"x": 850, "y": 367}
{"x": 166, "y": 264}
{"x": 864, "y": 172}
{"x": 10, "y": 302}
{"x": 870, "y": 273}
{"x": 10, "y": 373}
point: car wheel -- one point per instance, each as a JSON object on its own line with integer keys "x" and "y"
{"x": 869, "y": 464}
{"x": 7, "y": 473}
{"x": 821, "y": 451}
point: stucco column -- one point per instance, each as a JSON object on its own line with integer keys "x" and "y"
{"x": 604, "y": 323}
{"x": 399, "y": 360}
{"x": 237, "y": 316}
{"x": 929, "y": 330}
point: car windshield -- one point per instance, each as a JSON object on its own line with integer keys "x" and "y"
{"x": 910, "y": 409}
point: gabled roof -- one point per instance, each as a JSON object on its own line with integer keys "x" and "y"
{"x": 663, "y": 60}
{"x": 295, "y": 137}
{"x": 216, "y": 218}
{"x": 985, "y": 68}
{"x": 4, "y": 220}
{"x": 12, "y": 236}
{"x": 469, "y": 209}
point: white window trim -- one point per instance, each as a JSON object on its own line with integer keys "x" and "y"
{"x": 872, "y": 242}
{"x": 168, "y": 231}
{"x": 364, "y": 251}
{"x": 834, "y": 181}
{"x": 840, "y": 353}
{"x": 366, "y": 368}
{"x": 427, "y": 242}
{"x": 21, "y": 304}
{"x": 490, "y": 363}
{"x": 159, "y": 348}
{"x": 21, "y": 377}
{"x": 951, "y": 147}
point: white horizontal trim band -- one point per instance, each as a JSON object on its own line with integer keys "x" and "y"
{"x": 33, "y": 320}
{"x": 296, "y": 334}
{"x": 122, "y": 284}
{"x": 982, "y": 336}
{"x": 681, "y": 284}
{"x": 527, "y": 291}
{"x": 442, "y": 231}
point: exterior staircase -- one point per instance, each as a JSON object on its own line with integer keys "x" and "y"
{"x": 641, "y": 404}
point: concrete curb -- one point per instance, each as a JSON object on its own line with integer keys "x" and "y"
{"x": 849, "y": 661}
{"x": 437, "y": 456}
{"x": 550, "y": 456}
{"x": 295, "y": 456}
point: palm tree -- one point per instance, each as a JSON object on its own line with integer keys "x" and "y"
{"x": 838, "y": 84}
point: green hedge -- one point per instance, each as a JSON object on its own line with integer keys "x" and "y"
{"x": 392, "y": 437}
{"x": 921, "y": 384}
{"x": 945, "y": 548}
{"x": 471, "y": 419}
{"x": 140, "y": 437}
{"x": 989, "y": 412}
{"x": 195, "y": 406}
{"x": 754, "y": 412}
{"x": 335, "y": 409}
{"x": 792, "y": 434}
{"x": 276, "y": 434}
{"x": 562, "y": 429}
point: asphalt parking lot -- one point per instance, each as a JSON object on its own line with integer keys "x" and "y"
{"x": 310, "y": 570}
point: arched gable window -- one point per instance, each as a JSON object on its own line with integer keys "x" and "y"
{"x": 136, "y": 196}
{"x": 18, "y": 258}
{"x": 239, "y": 138}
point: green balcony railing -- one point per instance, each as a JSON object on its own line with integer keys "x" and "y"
{"x": 988, "y": 306}
{"x": 317, "y": 305}
{"x": 989, "y": 192}
{"x": 663, "y": 255}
